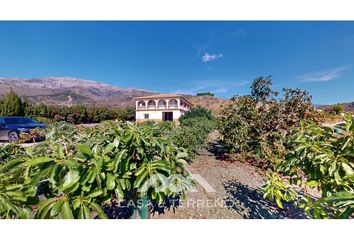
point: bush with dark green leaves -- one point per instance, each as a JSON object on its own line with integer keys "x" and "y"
{"x": 192, "y": 135}
{"x": 257, "y": 125}
{"x": 205, "y": 94}
{"x": 13, "y": 105}
{"x": 195, "y": 125}
{"x": 197, "y": 112}
{"x": 322, "y": 159}
{"x": 78, "y": 170}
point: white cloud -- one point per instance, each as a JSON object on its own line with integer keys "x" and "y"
{"x": 322, "y": 76}
{"x": 211, "y": 57}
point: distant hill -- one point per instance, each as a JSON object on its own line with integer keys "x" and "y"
{"x": 348, "y": 107}
{"x": 68, "y": 91}
{"x": 212, "y": 103}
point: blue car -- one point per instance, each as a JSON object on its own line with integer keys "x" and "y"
{"x": 10, "y": 127}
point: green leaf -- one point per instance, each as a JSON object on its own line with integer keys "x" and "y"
{"x": 99, "y": 210}
{"x": 127, "y": 137}
{"x": 44, "y": 208}
{"x": 348, "y": 212}
{"x": 17, "y": 195}
{"x": 119, "y": 193}
{"x": 118, "y": 159}
{"x": 140, "y": 179}
{"x": 72, "y": 188}
{"x": 110, "y": 183}
{"x": 347, "y": 168}
{"x": 337, "y": 177}
{"x": 56, "y": 208}
{"x": 332, "y": 168}
{"x": 87, "y": 176}
{"x": 25, "y": 213}
{"x": 4, "y": 203}
{"x": 59, "y": 151}
{"x": 71, "y": 178}
{"x": 84, "y": 212}
{"x": 279, "y": 203}
{"x": 312, "y": 183}
{"x": 66, "y": 212}
{"x": 95, "y": 193}
{"x": 13, "y": 186}
{"x": 182, "y": 161}
{"x": 339, "y": 196}
{"x": 38, "y": 160}
{"x": 83, "y": 152}
{"x": 109, "y": 148}
{"x": 87, "y": 212}
{"x": 76, "y": 203}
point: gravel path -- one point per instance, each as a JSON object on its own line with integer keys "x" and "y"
{"x": 236, "y": 195}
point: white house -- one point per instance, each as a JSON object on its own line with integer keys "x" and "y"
{"x": 161, "y": 107}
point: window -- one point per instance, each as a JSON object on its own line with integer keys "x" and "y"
{"x": 146, "y": 116}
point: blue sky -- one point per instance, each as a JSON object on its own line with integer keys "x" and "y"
{"x": 187, "y": 57}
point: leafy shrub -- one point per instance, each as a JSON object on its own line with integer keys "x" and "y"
{"x": 195, "y": 125}
{"x": 258, "y": 125}
{"x": 205, "y": 94}
{"x": 192, "y": 134}
{"x": 197, "y": 112}
{"x": 32, "y": 135}
{"x": 13, "y": 105}
{"x": 322, "y": 159}
{"x": 336, "y": 109}
{"x": 84, "y": 168}
{"x": 44, "y": 120}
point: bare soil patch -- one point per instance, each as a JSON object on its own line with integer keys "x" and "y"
{"x": 236, "y": 195}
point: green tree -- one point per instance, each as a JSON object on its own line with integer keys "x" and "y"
{"x": 12, "y": 105}
{"x": 338, "y": 109}
{"x": 261, "y": 89}
{"x": 205, "y": 94}
{"x": 83, "y": 170}
{"x": 318, "y": 158}
{"x": 258, "y": 125}
{"x": 197, "y": 112}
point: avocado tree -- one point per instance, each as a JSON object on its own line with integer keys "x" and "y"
{"x": 258, "y": 125}
{"x": 77, "y": 171}
{"x": 319, "y": 158}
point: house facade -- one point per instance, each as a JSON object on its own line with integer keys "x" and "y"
{"x": 161, "y": 107}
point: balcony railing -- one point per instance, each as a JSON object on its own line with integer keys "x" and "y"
{"x": 161, "y": 106}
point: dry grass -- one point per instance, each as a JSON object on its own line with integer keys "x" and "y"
{"x": 212, "y": 103}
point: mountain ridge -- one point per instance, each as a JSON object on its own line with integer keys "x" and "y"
{"x": 71, "y": 90}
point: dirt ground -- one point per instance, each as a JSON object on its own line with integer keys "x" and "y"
{"x": 236, "y": 194}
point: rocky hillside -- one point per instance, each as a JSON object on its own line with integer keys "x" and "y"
{"x": 68, "y": 91}
{"x": 348, "y": 107}
{"x": 212, "y": 103}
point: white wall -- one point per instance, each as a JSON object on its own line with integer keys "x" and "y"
{"x": 156, "y": 115}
